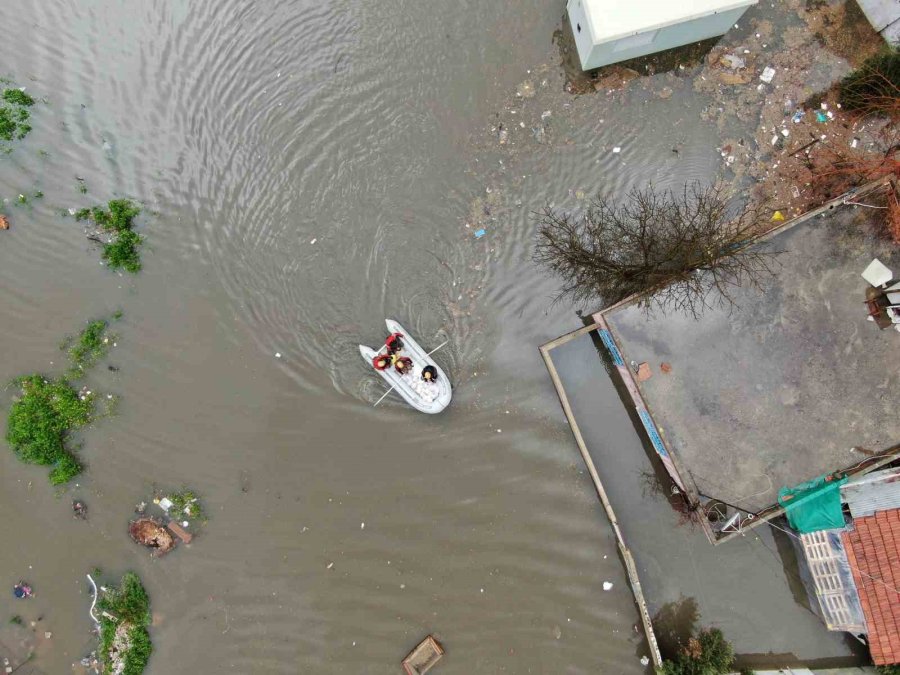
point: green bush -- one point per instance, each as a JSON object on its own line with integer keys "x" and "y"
{"x": 707, "y": 654}
{"x": 130, "y": 605}
{"x": 123, "y": 252}
{"x": 118, "y": 217}
{"x": 40, "y": 420}
{"x": 17, "y": 97}
{"x": 875, "y": 85}
{"x": 889, "y": 670}
{"x": 14, "y": 116}
{"x": 90, "y": 346}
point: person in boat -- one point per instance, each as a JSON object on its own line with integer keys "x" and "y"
{"x": 429, "y": 374}
{"x": 382, "y": 361}
{"x": 394, "y": 343}
{"x": 403, "y": 364}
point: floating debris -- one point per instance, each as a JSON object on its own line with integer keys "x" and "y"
{"x": 424, "y": 657}
{"x": 152, "y": 534}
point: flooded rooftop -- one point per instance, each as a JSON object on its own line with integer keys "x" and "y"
{"x": 791, "y": 383}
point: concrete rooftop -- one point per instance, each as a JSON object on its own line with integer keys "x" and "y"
{"x": 780, "y": 390}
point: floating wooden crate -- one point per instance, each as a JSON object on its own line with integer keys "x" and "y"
{"x": 421, "y": 659}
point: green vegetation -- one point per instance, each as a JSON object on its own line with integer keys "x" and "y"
{"x": 40, "y": 421}
{"x": 14, "y": 114}
{"x": 874, "y": 87}
{"x": 90, "y": 346}
{"x": 125, "y": 645}
{"x": 17, "y": 620}
{"x": 188, "y": 503}
{"x": 47, "y": 410}
{"x": 17, "y": 97}
{"x": 25, "y": 199}
{"x": 707, "y": 654}
{"x": 118, "y": 219}
{"x": 889, "y": 670}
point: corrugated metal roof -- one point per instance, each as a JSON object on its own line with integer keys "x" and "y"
{"x": 876, "y": 491}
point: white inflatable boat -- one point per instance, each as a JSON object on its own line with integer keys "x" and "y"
{"x": 427, "y": 397}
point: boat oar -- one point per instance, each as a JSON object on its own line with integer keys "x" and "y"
{"x": 392, "y": 386}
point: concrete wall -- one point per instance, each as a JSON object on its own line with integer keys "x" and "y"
{"x": 597, "y": 55}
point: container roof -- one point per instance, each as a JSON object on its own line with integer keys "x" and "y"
{"x": 614, "y": 19}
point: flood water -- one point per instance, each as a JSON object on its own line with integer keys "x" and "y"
{"x": 248, "y": 130}
{"x": 308, "y": 169}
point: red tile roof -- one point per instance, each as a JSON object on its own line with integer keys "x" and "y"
{"x": 873, "y": 550}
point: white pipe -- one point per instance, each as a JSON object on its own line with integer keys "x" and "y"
{"x": 94, "y": 603}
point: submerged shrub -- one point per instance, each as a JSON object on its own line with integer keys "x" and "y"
{"x": 17, "y": 97}
{"x": 123, "y": 252}
{"x": 91, "y": 345}
{"x": 117, "y": 218}
{"x": 187, "y": 503}
{"x": 40, "y": 421}
{"x": 125, "y": 645}
{"x": 707, "y": 654}
{"x": 14, "y": 114}
{"x": 48, "y": 410}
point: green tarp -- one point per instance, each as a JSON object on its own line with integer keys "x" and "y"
{"x": 815, "y": 505}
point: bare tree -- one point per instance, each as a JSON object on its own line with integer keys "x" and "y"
{"x": 684, "y": 251}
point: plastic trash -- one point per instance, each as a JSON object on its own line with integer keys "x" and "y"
{"x": 798, "y": 116}
{"x": 778, "y": 216}
{"x": 165, "y": 503}
{"x": 480, "y": 233}
{"x": 607, "y": 585}
{"x": 22, "y": 591}
{"x": 617, "y": 150}
{"x": 821, "y": 117}
{"x": 768, "y": 74}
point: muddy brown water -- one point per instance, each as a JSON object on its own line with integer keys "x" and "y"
{"x": 252, "y": 129}
{"x": 308, "y": 169}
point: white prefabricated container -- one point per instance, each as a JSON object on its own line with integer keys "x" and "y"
{"x": 609, "y": 31}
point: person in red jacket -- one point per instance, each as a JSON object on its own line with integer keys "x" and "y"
{"x": 394, "y": 343}
{"x": 403, "y": 364}
{"x": 382, "y": 361}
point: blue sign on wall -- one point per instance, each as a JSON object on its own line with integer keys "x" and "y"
{"x": 652, "y": 433}
{"x": 610, "y": 344}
